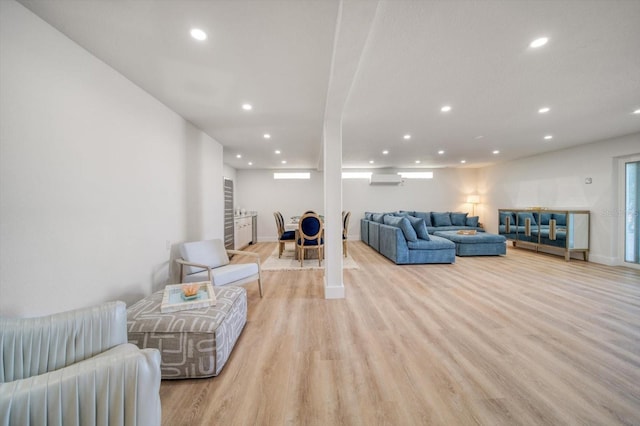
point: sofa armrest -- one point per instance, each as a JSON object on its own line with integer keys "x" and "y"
{"x": 118, "y": 387}
{"x": 32, "y": 346}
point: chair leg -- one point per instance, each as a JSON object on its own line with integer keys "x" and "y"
{"x": 280, "y": 248}
{"x": 260, "y": 285}
{"x": 301, "y": 256}
{"x": 319, "y": 256}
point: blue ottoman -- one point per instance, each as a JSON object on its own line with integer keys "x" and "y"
{"x": 480, "y": 244}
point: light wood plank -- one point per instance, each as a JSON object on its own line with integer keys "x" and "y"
{"x": 521, "y": 339}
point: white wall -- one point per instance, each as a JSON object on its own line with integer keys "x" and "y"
{"x": 557, "y": 179}
{"x": 97, "y": 178}
{"x": 256, "y": 190}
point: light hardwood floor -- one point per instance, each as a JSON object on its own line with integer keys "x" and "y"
{"x": 524, "y": 339}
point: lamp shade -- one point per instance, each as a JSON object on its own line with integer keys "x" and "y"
{"x": 473, "y": 199}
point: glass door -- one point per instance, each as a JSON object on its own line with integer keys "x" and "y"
{"x": 632, "y": 212}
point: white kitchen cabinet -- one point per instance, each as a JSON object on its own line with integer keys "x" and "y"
{"x": 243, "y": 229}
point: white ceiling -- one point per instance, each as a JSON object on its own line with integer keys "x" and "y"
{"x": 416, "y": 57}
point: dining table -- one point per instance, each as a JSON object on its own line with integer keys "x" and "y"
{"x": 292, "y": 223}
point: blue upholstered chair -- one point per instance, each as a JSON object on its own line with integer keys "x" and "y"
{"x": 310, "y": 236}
{"x": 283, "y": 236}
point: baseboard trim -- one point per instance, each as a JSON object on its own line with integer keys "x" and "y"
{"x": 603, "y": 260}
{"x": 334, "y": 291}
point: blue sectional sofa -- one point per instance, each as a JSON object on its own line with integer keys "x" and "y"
{"x": 405, "y": 237}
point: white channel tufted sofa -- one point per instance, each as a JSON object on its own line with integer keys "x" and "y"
{"x": 76, "y": 368}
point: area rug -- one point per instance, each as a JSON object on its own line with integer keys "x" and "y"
{"x": 288, "y": 263}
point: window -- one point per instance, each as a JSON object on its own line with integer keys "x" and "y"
{"x": 292, "y": 175}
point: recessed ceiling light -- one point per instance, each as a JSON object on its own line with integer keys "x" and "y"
{"x": 544, "y": 110}
{"x": 539, "y": 42}
{"x": 445, "y": 108}
{"x": 247, "y": 107}
{"x": 407, "y": 136}
{"x": 441, "y": 152}
{"x": 385, "y": 152}
{"x": 267, "y": 136}
{"x": 284, "y": 161}
{"x": 239, "y": 156}
{"x": 496, "y": 152}
{"x": 371, "y": 161}
{"x": 198, "y": 34}
{"x": 479, "y": 137}
{"x": 250, "y": 163}
{"x": 417, "y": 161}
{"x": 548, "y": 137}
{"x": 277, "y": 151}
{"x": 636, "y": 111}
{"x": 463, "y": 161}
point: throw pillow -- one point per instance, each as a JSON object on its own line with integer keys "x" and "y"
{"x": 406, "y": 212}
{"x": 368, "y": 215}
{"x": 524, "y": 215}
{"x": 441, "y": 219}
{"x": 459, "y": 219}
{"x": 424, "y": 215}
{"x": 378, "y": 217}
{"x": 419, "y": 227}
{"x": 473, "y": 221}
{"x": 404, "y": 224}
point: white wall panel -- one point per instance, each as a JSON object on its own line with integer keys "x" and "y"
{"x": 97, "y": 178}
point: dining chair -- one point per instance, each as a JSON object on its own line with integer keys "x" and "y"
{"x": 310, "y": 235}
{"x": 345, "y": 230}
{"x": 283, "y": 236}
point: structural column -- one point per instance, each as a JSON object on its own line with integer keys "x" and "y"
{"x": 333, "y": 285}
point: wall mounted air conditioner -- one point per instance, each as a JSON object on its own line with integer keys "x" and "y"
{"x": 388, "y": 179}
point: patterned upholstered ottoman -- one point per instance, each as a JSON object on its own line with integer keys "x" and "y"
{"x": 480, "y": 244}
{"x": 193, "y": 343}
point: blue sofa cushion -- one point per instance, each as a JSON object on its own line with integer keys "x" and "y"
{"x": 561, "y": 219}
{"x": 368, "y": 215}
{"x": 435, "y": 243}
{"x": 424, "y": 215}
{"x": 472, "y": 221}
{"x": 378, "y": 217}
{"x": 441, "y": 219}
{"x": 420, "y": 227}
{"x": 406, "y": 212}
{"x": 459, "y": 219}
{"x": 523, "y": 215}
{"x": 404, "y": 224}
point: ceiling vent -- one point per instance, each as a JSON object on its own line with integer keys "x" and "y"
{"x": 385, "y": 179}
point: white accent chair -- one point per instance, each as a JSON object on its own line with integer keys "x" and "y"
{"x": 76, "y": 368}
{"x": 209, "y": 261}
